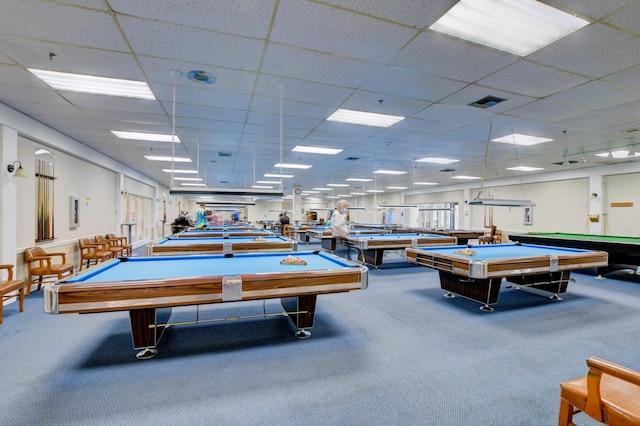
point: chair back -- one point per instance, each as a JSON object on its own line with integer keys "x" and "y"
{"x": 84, "y": 243}
{"x": 32, "y": 253}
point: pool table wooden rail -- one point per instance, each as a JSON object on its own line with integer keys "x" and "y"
{"x": 494, "y": 268}
{"x": 127, "y": 295}
{"x": 270, "y": 244}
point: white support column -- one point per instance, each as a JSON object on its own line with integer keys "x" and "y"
{"x": 296, "y": 214}
{"x": 465, "y": 214}
{"x": 596, "y": 212}
{"x": 8, "y": 196}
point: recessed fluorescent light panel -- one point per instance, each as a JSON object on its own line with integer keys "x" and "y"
{"x": 377, "y": 191}
{"x": 364, "y": 118}
{"x": 275, "y": 175}
{"x": 396, "y": 187}
{"x": 425, "y": 183}
{"x": 436, "y": 160}
{"x": 193, "y": 184}
{"x": 357, "y": 193}
{"x": 521, "y": 140}
{"x": 94, "y": 85}
{"x": 341, "y": 185}
{"x": 273, "y": 182}
{"x": 191, "y": 172}
{"x": 317, "y": 150}
{"x": 359, "y": 180}
{"x": 462, "y": 177}
{"x": 525, "y": 168}
{"x": 389, "y": 172}
{"x": 189, "y": 179}
{"x": 322, "y": 189}
{"x": 618, "y": 154}
{"x": 519, "y": 27}
{"x": 332, "y": 197}
{"x": 168, "y": 158}
{"x": 262, "y": 186}
{"x": 154, "y": 137}
{"x": 291, "y": 166}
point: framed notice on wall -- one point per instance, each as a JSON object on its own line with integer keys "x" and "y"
{"x": 74, "y": 212}
{"x": 528, "y": 216}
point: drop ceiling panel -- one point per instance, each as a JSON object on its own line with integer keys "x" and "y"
{"x": 430, "y": 53}
{"x": 595, "y": 96}
{"x": 296, "y": 63}
{"x": 318, "y": 27}
{"x": 399, "y": 82}
{"x": 529, "y": 79}
{"x": 614, "y": 50}
{"x": 73, "y": 59}
{"x": 248, "y": 18}
{"x": 43, "y": 20}
{"x": 184, "y": 43}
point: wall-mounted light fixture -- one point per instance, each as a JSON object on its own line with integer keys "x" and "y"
{"x": 19, "y": 171}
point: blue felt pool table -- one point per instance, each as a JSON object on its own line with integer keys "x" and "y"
{"x": 205, "y": 233}
{"x": 476, "y": 272}
{"x": 224, "y": 245}
{"x": 148, "y": 287}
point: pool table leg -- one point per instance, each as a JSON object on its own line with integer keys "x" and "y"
{"x": 484, "y": 291}
{"x": 301, "y": 311}
{"x": 144, "y": 332}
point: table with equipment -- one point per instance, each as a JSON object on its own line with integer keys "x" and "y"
{"x": 624, "y": 252}
{"x": 476, "y": 272}
{"x": 148, "y": 287}
{"x": 178, "y": 246}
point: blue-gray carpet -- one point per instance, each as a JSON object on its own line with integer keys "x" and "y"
{"x": 398, "y": 353}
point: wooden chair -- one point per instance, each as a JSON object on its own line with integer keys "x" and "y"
{"x": 91, "y": 252}
{"x": 110, "y": 245}
{"x": 8, "y": 287}
{"x": 609, "y": 393}
{"x": 287, "y": 232}
{"x": 489, "y": 238}
{"x": 40, "y": 264}
{"x": 128, "y": 248}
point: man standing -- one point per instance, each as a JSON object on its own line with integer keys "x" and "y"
{"x": 388, "y": 217}
{"x": 339, "y": 226}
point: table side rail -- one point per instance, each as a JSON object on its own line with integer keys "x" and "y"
{"x": 102, "y": 297}
{"x": 506, "y": 267}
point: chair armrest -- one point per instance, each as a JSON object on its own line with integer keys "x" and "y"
{"x": 608, "y": 367}
{"x": 61, "y": 254}
{"x": 9, "y": 269}
{"x": 598, "y": 367}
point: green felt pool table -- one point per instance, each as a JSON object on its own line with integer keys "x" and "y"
{"x": 148, "y": 287}
{"x": 624, "y": 252}
{"x": 477, "y": 273}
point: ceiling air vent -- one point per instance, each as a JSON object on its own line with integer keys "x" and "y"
{"x": 352, "y": 158}
{"x": 224, "y": 154}
{"x": 566, "y": 163}
{"x": 201, "y": 77}
{"x": 448, "y": 170}
{"x": 487, "y": 102}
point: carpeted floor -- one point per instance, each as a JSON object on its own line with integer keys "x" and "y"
{"x": 398, "y": 353}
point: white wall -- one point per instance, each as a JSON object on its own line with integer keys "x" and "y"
{"x": 96, "y": 214}
{"x": 621, "y": 220}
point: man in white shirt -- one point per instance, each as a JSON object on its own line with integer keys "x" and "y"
{"x": 339, "y": 225}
